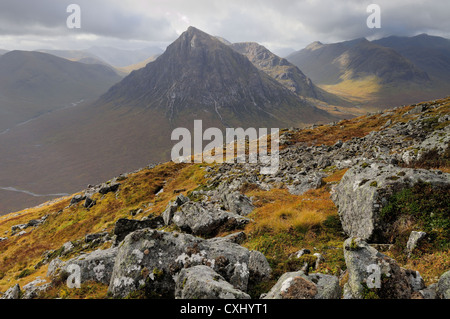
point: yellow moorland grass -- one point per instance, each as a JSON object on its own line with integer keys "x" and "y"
{"x": 278, "y": 213}
{"x": 357, "y": 90}
{"x": 20, "y": 254}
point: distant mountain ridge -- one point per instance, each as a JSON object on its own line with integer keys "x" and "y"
{"x": 331, "y": 63}
{"x": 398, "y": 70}
{"x": 32, "y": 83}
{"x": 430, "y": 53}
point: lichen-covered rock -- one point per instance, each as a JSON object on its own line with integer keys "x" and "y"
{"x": 327, "y": 286}
{"x": 96, "y": 266}
{"x": 373, "y": 274}
{"x": 149, "y": 259}
{"x": 237, "y": 203}
{"x": 365, "y": 189}
{"x": 443, "y": 290}
{"x": 298, "y": 285}
{"x": 202, "y": 282}
{"x": 12, "y": 293}
{"x": 193, "y": 218}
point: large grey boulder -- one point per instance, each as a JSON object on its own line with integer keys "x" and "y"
{"x": 149, "y": 259}
{"x": 12, "y": 293}
{"x": 193, "y": 217}
{"x": 365, "y": 189}
{"x": 443, "y": 290}
{"x": 373, "y": 274}
{"x": 95, "y": 266}
{"x": 298, "y": 285}
{"x": 202, "y": 282}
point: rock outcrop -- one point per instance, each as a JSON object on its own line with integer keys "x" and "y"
{"x": 373, "y": 274}
{"x": 96, "y": 266}
{"x": 365, "y": 189}
{"x": 149, "y": 259}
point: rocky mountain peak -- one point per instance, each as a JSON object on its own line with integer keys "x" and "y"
{"x": 199, "y": 72}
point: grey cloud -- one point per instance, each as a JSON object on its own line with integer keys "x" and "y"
{"x": 280, "y": 24}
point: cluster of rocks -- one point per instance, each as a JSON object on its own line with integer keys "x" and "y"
{"x": 20, "y": 229}
{"x": 171, "y": 264}
{"x": 103, "y": 189}
{"x": 192, "y": 263}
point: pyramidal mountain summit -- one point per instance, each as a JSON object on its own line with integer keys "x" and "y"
{"x": 198, "y": 72}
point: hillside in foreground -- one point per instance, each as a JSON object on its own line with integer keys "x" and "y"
{"x": 373, "y": 190}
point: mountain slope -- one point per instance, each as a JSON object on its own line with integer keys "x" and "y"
{"x": 284, "y": 72}
{"x": 367, "y": 72}
{"x": 429, "y": 53}
{"x": 280, "y": 225}
{"x": 33, "y": 83}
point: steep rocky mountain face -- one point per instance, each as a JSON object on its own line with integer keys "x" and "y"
{"x": 369, "y": 196}
{"x": 199, "y": 73}
{"x": 284, "y": 72}
{"x": 33, "y": 83}
{"x": 365, "y": 71}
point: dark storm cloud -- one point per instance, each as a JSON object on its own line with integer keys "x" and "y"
{"x": 276, "y": 24}
{"x": 102, "y": 18}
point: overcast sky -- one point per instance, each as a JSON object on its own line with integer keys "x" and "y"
{"x": 277, "y": 24}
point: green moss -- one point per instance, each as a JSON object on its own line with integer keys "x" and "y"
{"x": 374, "y": 184}
{"x": 158, "y": 273}
{"x": 353, "y": 244}
{"x": 427, "y": 206}
{"x": 364, "y": 165}
{"x": 24, "y": 273}
{"x": 369, "y": 293}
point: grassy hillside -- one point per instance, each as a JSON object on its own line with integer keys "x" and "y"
{"x": 282, "y": 223}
